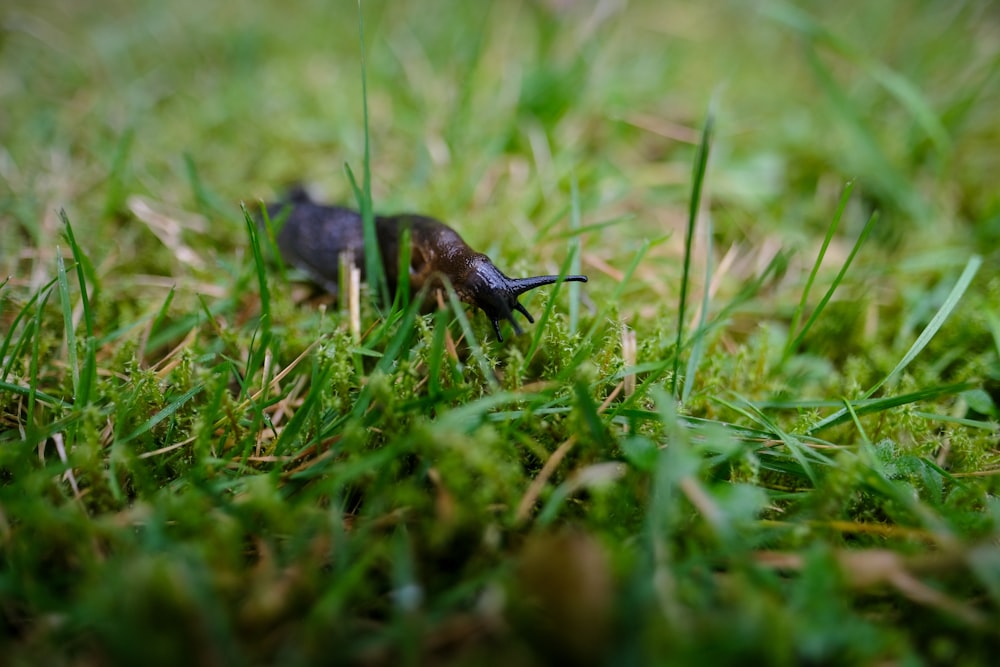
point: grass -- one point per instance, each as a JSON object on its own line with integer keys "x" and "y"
{"x": 767, "y": 428}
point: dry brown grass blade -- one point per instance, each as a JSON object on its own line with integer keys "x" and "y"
{"x": 169, "y": 228}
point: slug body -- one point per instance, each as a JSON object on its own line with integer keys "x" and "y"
{"x": 315, "y": 235}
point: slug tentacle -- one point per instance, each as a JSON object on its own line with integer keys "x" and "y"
{"x": 314, "y": 236}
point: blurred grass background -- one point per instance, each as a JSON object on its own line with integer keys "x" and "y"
{"x": 161, "y": 502}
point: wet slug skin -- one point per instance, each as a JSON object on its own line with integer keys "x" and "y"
{"x": 314, "y": 236}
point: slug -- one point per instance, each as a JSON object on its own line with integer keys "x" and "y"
{"x": 314, "y": 236}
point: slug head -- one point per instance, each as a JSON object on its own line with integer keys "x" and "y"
{"x": 496, "y": 294}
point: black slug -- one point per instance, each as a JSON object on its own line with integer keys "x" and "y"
{"x": 314, "y": 236}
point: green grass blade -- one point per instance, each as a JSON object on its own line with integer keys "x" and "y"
{"x": 470, "y": 416}
{"x": 869, "y": 406}
{"x": 790, "y": 345}
{"x": 39, "y": 395}
{"x": 543, "y": 319}
{"x": 26, "y": 333}
{"x": 573, "y": 232}
{"x": 967, "y": 423}
{"x": 114, "y": 200}
{"x": 291, "y": 433}
{"x": 374, "y": 269}
{"x": 836, "y": 282}
{"x": 586, "y": 405}
{"x": 402, "y": 300}
{"x": 905, "y": 92}
{"x": 697, "y": 182}
{"x": 437, "y": 353}
{"x": 950, "y": 302}
{"x": 83, "y": 268}
{"x": 272, "y": 240}
{"x": 865, "y": 150}
{"x": 623, "y": 284}
{"x": 70, "y": 329}
{"x": 165, "y": 413}
{"x": 161, "y": 314}
{"x": 857, "y": 421}
{"x": 207, "y": 202}
{"x": 699, "y": 336}
{"x": 475, "y": 349}
{"x": 657, "y": 369}
{"x": 940, "y": 317}
{"x": 258, "y": 349}
{"x": 405, "y": 330}
{"x": 33, "y": 367}
{"x": 261, "y": 271}
{"x": 88, "y": 370}
{"x": 804, "y": 456}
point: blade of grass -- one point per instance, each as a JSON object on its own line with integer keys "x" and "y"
{"x": 402, "y": 300}
{"x": 942, "y": 315}
{"x": 387, "y": 359}
{"x": 699, "y": 334}
{"x": 33, "y": 367}
{"x": 161, "y": 314}
{"x": 404, "y": 331}
{"x": 83, "y": 269}
{"x": 905, "y": 92}
{"x": 968, "y": 423}
{"x": 26, "y": 333}
{"x": 586, "y": 405}
{"x": 313, "y": 399}
{"x": 616, "y": 296}
{"x": 804, "y": 456}
{"x": 865, "y": 440}
{"x": 67, "y": 311}
{"x": 470, "y": 416}
{"x": 114, "y": 200}
{"x": 539, "y": 331}
{"x": 208, "y": 203}
{"x": 183, "y": 326}
{"x": 593, "y": 475}
{"x": 863, "y": 147}
{"x": 39, "y": 395}
{"x": 260, "y": 270}
{"x": 272, "y": 239}
{"x": 657, "y": 369}
{"x": 88, "y": 372}
{"x": 374, "y": 270}
{"x": 166, "y": 412}
{"x": 475, "y": 349}
{"x": 790, "y": 344}
{"x": 573, "y": 232}
{"x": 436, "y": 353}
{"x": 949, "y": 305}
{"x": 869, "y": 406}
{"x": 836, "y": 282}
{"x": 697, "y": 181}
{"x": 543, "y": 231}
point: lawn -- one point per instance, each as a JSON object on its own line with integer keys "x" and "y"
{"x": 764, "y": 431}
